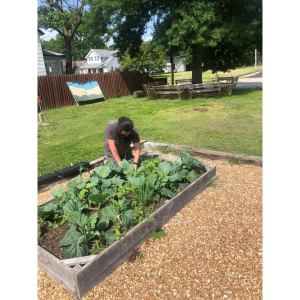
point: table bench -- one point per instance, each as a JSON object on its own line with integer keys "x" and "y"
{"x": 166, "y": 91}
{"x": 228, "y": 84}
{"x": 204, "y": 89}
{"x": 183, "y": 81}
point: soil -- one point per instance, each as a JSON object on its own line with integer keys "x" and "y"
{"x": 50, "y": 237}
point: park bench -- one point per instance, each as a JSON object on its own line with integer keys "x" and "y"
{"x": 204, "y": 89}
{"x": 183, "y": 81}
{"x": 166, "y": 91}
{"x": 149, "y": 91}
{"x": 228, "y": 84}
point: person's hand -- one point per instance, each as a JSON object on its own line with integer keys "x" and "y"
{"x": 135, "y": 166}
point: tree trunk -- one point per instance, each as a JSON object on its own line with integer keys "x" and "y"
{"x": 172, "y": 67}
{"x": 68, "y": 55}
{"x": 197, "y": 64}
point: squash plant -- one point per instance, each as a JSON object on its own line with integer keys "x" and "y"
{"x": 120, "y": 193}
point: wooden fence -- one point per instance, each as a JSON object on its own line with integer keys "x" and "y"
{"x": 54, "y": 92}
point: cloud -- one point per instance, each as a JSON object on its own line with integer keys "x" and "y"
{"x": 48, "y": 35}
{"x": 148, "y": 39}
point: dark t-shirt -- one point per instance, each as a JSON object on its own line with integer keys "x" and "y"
{"x": 110, "y": 133}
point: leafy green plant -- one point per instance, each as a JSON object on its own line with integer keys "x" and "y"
{"x": 96, "y": 248}
{"x": 158, "y": 233}
{"x": 140, "y": 255}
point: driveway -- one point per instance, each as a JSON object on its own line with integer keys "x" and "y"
{"x": 250, "y": 81}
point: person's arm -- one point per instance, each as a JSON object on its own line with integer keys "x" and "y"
{"x": 114, "y": 150}
{"x": 137, "y": 152}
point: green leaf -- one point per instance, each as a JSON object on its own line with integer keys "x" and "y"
{"x": 109, "y": 212}
{"x": 165, "y": 167}
{"x": 89, "y": 185}
{"x": 70, "y": 238}
{"x": 94, "y": 180}
{"x": 127, "y": 167}
{"x": 73, "y": 205}
{"x": 124, "y": 204}
{"x": 185, "y": 157}
{"x": 117, "y": 180}
{"x": 136, "y": 181}
{"x": 76, "y": 250}
{"x": 94, "y": 191}
{"x": 57, "y": 193}
{"x": 179, "y": 185}
{"x": 93, "y": 220}
{"x": 78, "y": 218}
{"x": 168, "y": 193}
{"x": 178, "y": 176}
{"x": 103, "y": 224}
{"x": 102, "y": 237}
{"x": 97, "y": 200}
{"x": 39, "y": 231}
{"x": 196, "y": 162}
{"x": 104, "y": 171}
{"x": 106, "y": 183}
{"x": 193, "y": 176}
{"x": 110, "y": 238}
{"x": 127, "y": 217}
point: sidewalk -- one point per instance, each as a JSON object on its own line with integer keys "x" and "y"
{"x": 250, "y": 80}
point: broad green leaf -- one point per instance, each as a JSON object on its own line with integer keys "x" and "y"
{"x": 94, "y": 191}
{"x": 168, "y": 193}
{"x": 196, "y": 162}
{"x": 175, "y": 168}
{"x": 108, "y": 192}
{"x": 151, "y": 179}
{"x": 185, "y": 157}
{"x": 57, "y": 193}
{"x": 103, "y": 224}
{"x": 76, "y": 250}
{"x": 50, "y": 207}
{"x": 82, "y": 193}
{"x": 70, "y": 238}
{"x": 96, "y": 199}
{"x": 89, "y": 185}
{"x": 104, "y": 171}
{"x": 179, "y": 185}
{"x": 106, "y": 183}
{"x": 94, "y": 180}
{"x": 117, "y": 180}
{"x": 127, "y": 217}
{"x": 124, "y": 204}
{"x": 81, "y": 185}
{"x": 127, "y": 167}
{"x": 178, "y": 176}
{"x": 193, "y": 176}
{"x": 140, "y": 169}
{"x": 110, "y": 238}
{"x": 73, "y": 205}
{"x": 78, "y": 218}
{"x": 165, "y": 167}
{"x": 136, "y": 181}
{"x": 109, "y": 212}
{"x": 93, "y": 220}
{"x": 102, "y": 237}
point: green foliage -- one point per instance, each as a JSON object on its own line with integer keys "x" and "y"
{"x": 159, "y": 232}
{"x": 97, "y": 248}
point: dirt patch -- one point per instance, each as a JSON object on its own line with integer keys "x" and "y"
{"x": 206, "y": 105}
{"x": 204, "y": 110}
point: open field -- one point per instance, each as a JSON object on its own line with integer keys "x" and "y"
{"x": 228, "y": 123}
{"x": 208, "y": 76}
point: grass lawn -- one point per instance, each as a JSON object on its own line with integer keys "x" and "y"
{"x": 208, "y": 76}
{"x": 230, "y": 124}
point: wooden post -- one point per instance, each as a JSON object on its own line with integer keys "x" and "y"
{"x": 255, "y": 58}
{"x": 41, "y": 117}
{"x": 216, "y": 76}
{"x": 172, "y": 67}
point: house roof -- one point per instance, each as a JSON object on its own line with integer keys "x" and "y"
{"x": 102, "y": 52}
{"x": 77, "y": 63}
{"x": 97, "y": 65}
{"x": 176, "y": 60}
{"x": 50, "y": 53}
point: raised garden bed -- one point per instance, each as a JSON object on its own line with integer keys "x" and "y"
{"x": 80, "y": 274}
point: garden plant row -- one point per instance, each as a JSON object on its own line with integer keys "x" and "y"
{"x": 92, "y": 214}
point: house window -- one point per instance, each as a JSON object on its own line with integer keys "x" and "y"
{"x": 91, "y": 58}
{"x": 96, "y": 57}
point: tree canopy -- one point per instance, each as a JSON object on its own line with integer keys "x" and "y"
{"x": 216, "y": 33}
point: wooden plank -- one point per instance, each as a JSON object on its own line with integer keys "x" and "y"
{"x": 57, "y": 270}
{"x": 78, "y": 260}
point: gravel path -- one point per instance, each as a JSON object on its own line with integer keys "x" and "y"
{"x": 213, "y": 248}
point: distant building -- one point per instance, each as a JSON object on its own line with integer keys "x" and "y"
{"x": 77, "y": 63}
{"x": 179, "y": 65}
{"x": 53, "y": 63}
{"x": 99, "y": 61}
{"x": 40, "y": 59}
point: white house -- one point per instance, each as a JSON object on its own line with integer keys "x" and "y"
{"x": 41, "y": 70}
{"x": 180, "y": 66}
{"x": 99, "y": 61}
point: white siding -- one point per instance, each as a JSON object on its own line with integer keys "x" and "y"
{"x": 41, "y": 70}
{"x": 180, "y": 66}
{"x": 113, "y": 63}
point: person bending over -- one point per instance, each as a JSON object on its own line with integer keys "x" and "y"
{"x": 119, "y": 134}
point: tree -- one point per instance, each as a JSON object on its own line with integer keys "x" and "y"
{"x": 216, "y": 32}
{"x": 147, "y": 58}
{"x": 65, "y": 17}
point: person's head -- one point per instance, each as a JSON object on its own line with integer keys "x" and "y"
{"x": 124, "y": 129}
